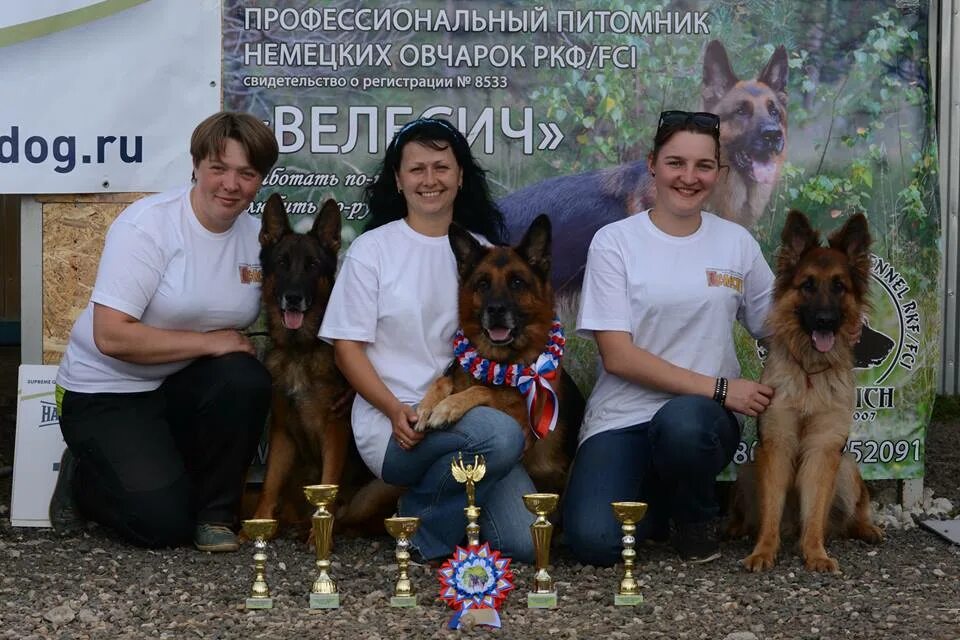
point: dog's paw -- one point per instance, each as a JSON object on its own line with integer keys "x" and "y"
{"x": 758, "y": 561}
{"x": 821, "y": 564}
{"x": 446, "y": 412}
{"x": 869, "y": 533}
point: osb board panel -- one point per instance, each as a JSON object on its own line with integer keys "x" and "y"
{"x": 74, "y": 227}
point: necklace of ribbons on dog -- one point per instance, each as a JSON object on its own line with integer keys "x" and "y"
{"x": 529, "y": 379}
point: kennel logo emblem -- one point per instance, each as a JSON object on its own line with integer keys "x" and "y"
{"x": 891, "y": 337}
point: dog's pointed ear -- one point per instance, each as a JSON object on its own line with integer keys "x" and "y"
{"x": 466, "y": 249}
{"x": 535, "y": 246}
{"x": 797, "y": 238}
{"x": 718, "y": 75}
{"x": 853, "y": 239}
{"x": 774, "y": 75}
{"x": 274, "y": 224}
{"x": 326, "y": 226}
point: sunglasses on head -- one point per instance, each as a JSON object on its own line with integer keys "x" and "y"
{"x": 419, "y": 122}
{"x": 700, "y": 119}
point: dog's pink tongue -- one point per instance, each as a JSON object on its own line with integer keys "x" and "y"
{"x": 764, "y": 172}
{"x": 499, "y": 334}
{"x": 823, "y": 340}
{"x": 292, "y": 319}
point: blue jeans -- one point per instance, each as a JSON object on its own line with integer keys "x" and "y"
{"x": 670, "y": 462}
{"x": 438, "y": 500}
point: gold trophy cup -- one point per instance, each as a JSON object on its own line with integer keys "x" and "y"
{"x": 470, "y": 474}
{"x": 323, "y": 594}
{"x": 402, "y": 529}
{"x": 259, "y": 531}
{"x": 544, "y": 593}
{"x": 628, "y": 514}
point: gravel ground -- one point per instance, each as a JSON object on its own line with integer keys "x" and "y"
{"x": 93, "y": 586}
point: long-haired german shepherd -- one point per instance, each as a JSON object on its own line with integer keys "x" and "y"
{"x": 753, "y": 137}
{"x": 820, "y": 294}
{"x": 506, "y": 308}
{"x": 310, "y": 442}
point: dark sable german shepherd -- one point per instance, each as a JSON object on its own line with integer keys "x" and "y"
{"x": 820, "y": 295}
{"x": 753, "y": 136}
{"x": 506, "y": 311}
{"x": 310, "y": 442}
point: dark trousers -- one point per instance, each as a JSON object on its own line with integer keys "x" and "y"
{"x": 153, "y": 465}
{"x": 671, "y": 463}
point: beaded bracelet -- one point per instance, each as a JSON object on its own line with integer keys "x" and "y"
{"x": 720, "y": 391}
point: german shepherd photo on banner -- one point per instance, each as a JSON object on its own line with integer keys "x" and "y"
{"x": 753, "y": 138}
{"x": 800, "y": 476}
{"x": 507, "y": 317}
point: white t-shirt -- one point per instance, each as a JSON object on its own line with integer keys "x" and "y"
{"x": 396, "y": 291}
{"x": 161, "y": 266}
{"x": 678, "y": 298}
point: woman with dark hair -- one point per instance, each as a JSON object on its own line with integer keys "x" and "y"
{"x": 392, "y": 317}
{"x": 661, "y": 292}
{"x": 473, "y": 207}
{"x": 161, "y": 398}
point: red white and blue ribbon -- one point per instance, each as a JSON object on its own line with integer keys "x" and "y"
{"x": 475, "y": 577}
{"x": 528, "y": 379}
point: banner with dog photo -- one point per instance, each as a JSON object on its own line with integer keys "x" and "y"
{"x": 824, "y": 106}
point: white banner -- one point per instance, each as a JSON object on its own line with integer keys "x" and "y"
{"x": 37, "y": 451}
{"x": 103, "y": 96}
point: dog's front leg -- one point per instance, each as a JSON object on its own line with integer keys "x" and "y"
{"x": 280, "y": 458}
{"x": 816, "y": 483}
{"x": 438, "y": 391}
{"x": 452, "y": 408}
{"x": 775, "y": 460}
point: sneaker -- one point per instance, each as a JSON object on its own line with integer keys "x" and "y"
{"x": 215, "y": 538}
{"x": 64, "y": 516}
{"x": 697, "y": 542}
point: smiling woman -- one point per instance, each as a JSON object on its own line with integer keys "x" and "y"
{"x": 392, "y": 318}
{"x": 661, "y": 291}
{"x": 161, "y": 400}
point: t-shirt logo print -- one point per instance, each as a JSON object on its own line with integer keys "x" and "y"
{"x": 724, "y": 278}
{"x": 251, "y": 274}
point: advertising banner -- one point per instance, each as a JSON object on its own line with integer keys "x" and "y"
{"x": 102, "y": 96}
{"x": 38, "y": 446}
{"x": 824, "y": 106}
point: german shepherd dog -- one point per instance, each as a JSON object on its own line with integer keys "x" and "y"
{"x": 310, "y": 442}
{"x": 506, "y": 308}
{"x": 753, "y": 136}
{"x": 820, "y": 294}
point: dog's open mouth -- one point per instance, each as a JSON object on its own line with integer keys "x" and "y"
{"x": 499, "y": 335}
{"x": 823, "y": 340}
{"x": 761, "y": 172}
{"x": 292, "y": 319}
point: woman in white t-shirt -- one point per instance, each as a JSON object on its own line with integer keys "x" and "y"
{"x": 392, "y": 317}
{"x": 661, "y": 292}
{"x": 160, "y": 396}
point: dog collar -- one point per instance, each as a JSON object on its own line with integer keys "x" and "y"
{"x": 528, "y": 379}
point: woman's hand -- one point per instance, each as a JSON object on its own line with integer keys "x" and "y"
{"x": 748, "y": 397}
{"x": 224, "y": 341}
{"x": 403, "y": 417}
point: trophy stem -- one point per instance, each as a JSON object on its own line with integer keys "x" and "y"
{"x": 542, "y": 532}
{"x": 473, "y": 527}
{"x": 322, "y": 536}
{"x": 259, "y": 593}
{"x": 628, "y": 585}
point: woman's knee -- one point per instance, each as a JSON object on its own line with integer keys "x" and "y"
{"x": 590, "y": 538}
{"x": 242, "y": 374}
{"x": 692, "y": 433}
{"x": 494, "y": 434}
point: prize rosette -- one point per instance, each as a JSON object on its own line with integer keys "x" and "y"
{"x": 475, "y": 578}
